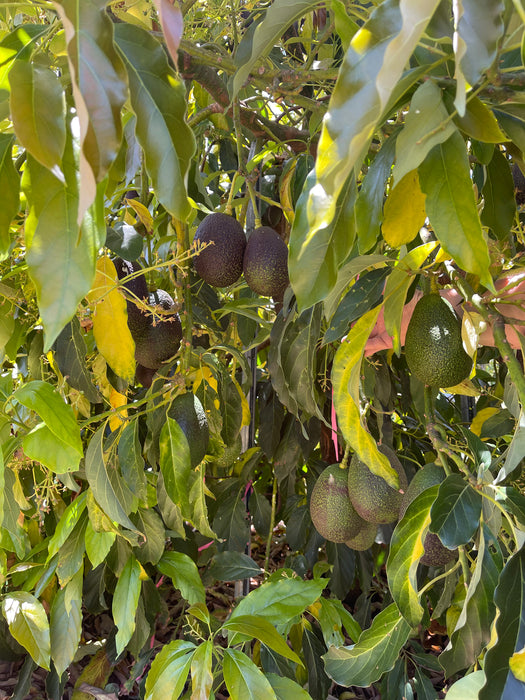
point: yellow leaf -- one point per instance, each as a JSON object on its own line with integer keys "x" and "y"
{"x": 142, "y": 213}
{"x": 119, "y": 417}
{"x": 472, "y": 326}
{"x": 244, "y": 403}
{"x": 466, "y": 388}
{"x": 481, "y": 417}
{"x": 110, "y": 324}
{"x": 517, "y": 664}
{"x": 285, "y": 191}
{"x": 404, "y": 212}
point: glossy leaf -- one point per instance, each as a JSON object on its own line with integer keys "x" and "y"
{"x": 100, "y": 483}
{"x": 175, "y": 463}
{"x": 499, "y": 207}
{"x": 184, "y": 574}
{"x": 65, "y": 525}
{"x": 480, "y": 123}
{"x": 38, "y": 113}
{"x": 99, "y": 89}
{"x": 480, "y": 28}
{"x": 169, "y": 671}
{"x": 445, "y": 179}
{"x": 406, "y": 549}
{"x": 233, "y": 566}
{"x": 70, "y": 354}
{"x": 65, "y": 628}
{"x": 375, "y": 653}
{"x": 286, "y": 689}
{"x": 28, "y": 624}
{"x": 125, "y": 602}
{"x": 97, "y": 544}
{"x": 354, "y": 268}
{"x": 201, "y": 671}
{"x": 468, "y": 687}
{"x": 472, "y": 630}
{"x": 279, "y": 602}
{"x": 372, "y": 66}
{"x": 252, "y": 48}
{"x": 159, "y": 102}
{"x": 345, "y": 378}
{"x": 39, "y": 396}
{"x": 243, "y": 679}
{"x": 110, "y": 326}
{"x": 404, "y": 211}
{"x": 456, "y": 511}
{"x": 510, "y": 630}
{"x": 10, "y": 188}
{"x": 43, "y": 446}
{"x": 256, "y": 627}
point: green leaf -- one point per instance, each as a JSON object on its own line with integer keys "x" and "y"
{"x": 372, "y": 67}
{"x": 456, "y": 511}
{"x": 479, "y": 31}
{"x": 125, "y": 602}
{"x": 406, "y": 549}
{"x": 375, "y": 653}
{"x": 99, "y": 89}
{"x": 427, "y": 124}
{"x": 472, "y": 631}
{"x": 279, "y": 16}
{"x": 71, "y": 553}
{"x": 243, "y": 679}
{"x": 319, "y": 683}
{"x": 468, "y": 687}
{"x": 158, "y": 99}
{"x": 314, "y": 260}
{"x": 346, "y": 372}
{"x": 65, "y": 628}
{"x": 344, "y": 25}
{"x": 512, "y": 121}
{"x": 43, "y": 446}
{"x": 66, "y": 524}
{"x": 101, "y": 485}
{"x": 58, "y": 416}
{"x": 201, "y": 671}
{"x": 10, "y": 188}
{"x": 97, "y": 544}
{"x": 230, "y": 522}
{"x": 510, "y": 629}
{"x": 286, "y": 688}
{"x": 175, "y": 463}
{"x": 255, "y": 627}
{"x": 28, "y": 623}
{"x": 38, "y": 113}
{"x": 169, "y": 671}
{"x": 233, "y": 566}
{"x": 499, "y": 207}
{"x": 480, "y": 123}
{"x": 184, "y": 574}
{"x": 131, "y": 460}
{"x": 512, "y": 501}
{"x": 279, "y": 602}
{"x": 70, "y": 355}
{"x": 2, "y": 487}
{"x": 350, "y": 270}
{"x": 149, "y": 522}
{"x": 451, "y": 207}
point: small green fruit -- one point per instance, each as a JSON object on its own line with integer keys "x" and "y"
{"x": 330, "y": 507}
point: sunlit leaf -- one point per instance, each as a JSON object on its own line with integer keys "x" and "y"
{"x": 28, "y": 624}
{"x": 201, "y": 671}
{"x": 125, "y": 601}
{"x": 480, "y": 123}
{"x": 286, "y": 689}
{"x": 404, "y": 211}
{"x": 10, "y": 188}
{"x": 169, "y": 671}
{"x": 456, "y": 511}
{"x": 243, "y": 679}
{"x": 256, "y": 627}
{"x": 175, "y": 463}
{"x": 65, "y": 628}
{"x": 499, "y": 208}
{"x": 184, "y": 574}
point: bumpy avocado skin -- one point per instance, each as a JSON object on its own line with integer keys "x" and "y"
{"x": 220, "y": 263}
{"x": 433, "y": 347}
{"x": 364, "y": 539}
{"x": 265, "y": 263}
{"x": 138, "y": 291}
{"x": 331, "y": 511}
{"x": 189, "y": 413}
{"x": 374, "y": 500}
{"x": 163, "y": 334}
{"x": 436, "y": 554}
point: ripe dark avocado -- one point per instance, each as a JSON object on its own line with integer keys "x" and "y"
{"x": 331, "y": 511}
{"x": 519, "y": 184}
{"x": 433, "y": 347}
{"x": 371, "y": 496}
{"x": 187, "y": 410}
{"x": 436, "y": 554}
{"x": 220, "y": 264}
{"x": 138, "y": 291}
{"x": 161, "y": 338}
{"x": 265, "y": 263}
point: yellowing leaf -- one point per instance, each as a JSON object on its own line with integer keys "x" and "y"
{"x": 466, "y": 388}
{"x": 110, "y": 326}
{"x": 472, "y": 325}
{"x": 285, "y": 191}
{"x": 404, "y": 212}
{"x": 244, "y": 403}
{"x": 517, "y": 664}
{"x": 142, "y": 213}
{"x": 481, "y": 417}
{"x": 116, "y": 399}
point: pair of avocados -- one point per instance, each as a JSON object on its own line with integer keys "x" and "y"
{"x": 263, "y": 258}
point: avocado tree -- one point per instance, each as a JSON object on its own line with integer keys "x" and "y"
{"x": 165, "y": 419}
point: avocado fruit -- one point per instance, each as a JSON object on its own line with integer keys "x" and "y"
{"x": 331, "y": 510}
{"x": 220, "y": 262}
{"x": 519, "y": 184}
{"x": 373, "y": 499}
{"x": 265, "y": 263}
{"x": 137, "y": 290}
{"x": 365, "y": 537}
{"x": 189, "y": 413}
{"x": 160, "y": 339}
{"x": 436, "y": 554}
{"x": 433, "y": 347}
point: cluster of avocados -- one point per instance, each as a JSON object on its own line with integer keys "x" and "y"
{"x": 347, "y": 505}
{"x": 224, "y": 255}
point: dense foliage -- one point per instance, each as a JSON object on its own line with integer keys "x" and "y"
{"x": 382, "y": 141}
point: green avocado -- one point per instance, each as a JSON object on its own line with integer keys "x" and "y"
{"x": 220, "y": 262}
{"x": 189, "y": 413}
{"x": 331, "y": 510}
{"x": 371, "y": 496}
{"x": 433, "y": 347}
{"x": 364, "y": 539}
{"x": 265, "y": 263}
